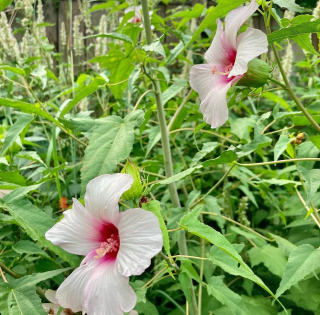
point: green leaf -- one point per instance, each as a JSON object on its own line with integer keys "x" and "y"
{"x": 119, "y": 36}
{"x": 36, "y": 223}
{"x": 155, "y": 47}
{"x": 178, "y": 49}
{"x": 290, "y": 5}
{"x": 316, "y": 141}
{"x": 281, "y": 146}
{"x": 30, "y": 155}
{"x": 312, "y": 180}
{"x": 207, "y": 148}
{"x": 15, "y": 130}
{"x": 172, "y": 91}
{"x": 20, "y": 192}
{"x": 286, "y": 246}
{"x": 20, "y": 297}
{"x": 304, "y": 121}
{"x": 28, "y": 247}
{"x": 294, "y": 31}
{"x": 272, "y": 257}
{"x": 86, "y": 91}
{"x": 259, "y": 142}
{"x": 219, "y": 11}
{"x": 303, "y": 40}
{"x": 121, "y": 73}
{"x": 227, "y": 297}
{"x": 28, "y": 108}
{"x": 13, "y": 69}
{"x": 224, "y": 158}
{"x": 154, "y": 207}
{"x": 231, "y": 258}
{"x": 109, "y": 144}
{"x": 41, "y": 73}
{"x": 302, "y": 261}
{"x": 179, "y": 176}
{"x": 4, "y": 4}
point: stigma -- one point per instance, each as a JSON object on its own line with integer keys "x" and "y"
{"x": 226, "y": 69}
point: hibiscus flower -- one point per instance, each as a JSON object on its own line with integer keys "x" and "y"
{"x": 227, "y": 62}
{"x": 116, "y": 245}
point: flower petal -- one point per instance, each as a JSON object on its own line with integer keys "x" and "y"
{"x": 202, "y": 80}
{"x": 108, "y": 292}
{"x": 214, "y": 106}
{"x": 235, "y": 19}
{"x": 71, "y": 291}
{"x": 216, "y": 54}
{"x": 77, "y": 232}
{"x": 140, "y": 240}
{"x": 51, "y": 296}
{"x": 251, "y": 44}
{"x": 102, "y": 196}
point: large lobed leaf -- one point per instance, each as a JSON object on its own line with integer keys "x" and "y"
{"x": 109, "y": 144}
{"x": 36, "y": 223}
{"x": 20, "y": 297}
{"x": 302, "y": 261}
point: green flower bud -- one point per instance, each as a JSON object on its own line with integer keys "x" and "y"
{"x": 257, "y": 75}
{"x": 136, "y": 190}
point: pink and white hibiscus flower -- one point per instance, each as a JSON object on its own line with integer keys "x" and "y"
{"x": 227, "y": 62}
{"x": 116, "y": 245}
{"x": 137, "y": 18}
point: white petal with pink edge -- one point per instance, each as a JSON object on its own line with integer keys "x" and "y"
{"x": 216, "y": 54}
{"x": 76, "y": 232}
{"x": 202, "y": 80}
{"x": 140, "y": 240}
{"x": 71, "y": 292}
{"x": 250, "y": 45}
{"x": 108, "y": 292}
{"x": 214, "y": 107}
{"x": 234, "y": 21}
{"x": 102, "y": 196}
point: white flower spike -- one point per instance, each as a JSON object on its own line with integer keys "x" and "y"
{"x": 116, "y": 245}
{"x": 227, "y": 62}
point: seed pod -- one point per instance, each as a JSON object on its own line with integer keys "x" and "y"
{"x": 257, "y": 75}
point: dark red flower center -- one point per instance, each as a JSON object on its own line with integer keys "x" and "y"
{"x": 110, "y": 242}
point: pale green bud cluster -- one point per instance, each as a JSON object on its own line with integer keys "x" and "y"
{"x": 101, "y": 43}
{"x": 288, "y": 60}
{"x": 9, "y": 45}
{"x": 136, "y": 190}
{"x": 316, "y": 11}
{"x": 63, "y": 34}
{"x": 242, "y": 211}
{"x": 78, "y": 45}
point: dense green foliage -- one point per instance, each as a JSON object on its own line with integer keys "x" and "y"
{"x": 249, "y": 190}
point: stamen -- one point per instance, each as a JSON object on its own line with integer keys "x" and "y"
{"x": 227, "y": 70}
{"x": 111, "y": 245}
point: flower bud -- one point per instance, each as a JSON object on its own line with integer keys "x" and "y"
{"x": 136, "y": 190}
{"x": 257, "y": 75}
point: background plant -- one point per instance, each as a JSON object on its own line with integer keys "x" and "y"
{"x": 255, "y": 180}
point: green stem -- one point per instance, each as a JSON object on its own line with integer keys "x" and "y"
{"x": 55, "y": 160}
{"x": 286, "y": 81}
{"x": 182, "y": 243}
{"x": 278, "y": 162}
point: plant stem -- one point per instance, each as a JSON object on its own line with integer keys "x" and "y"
{"x": 182, "y": 242}
{"x": 286, "y": 81}
{"x": 278, "y": 162}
